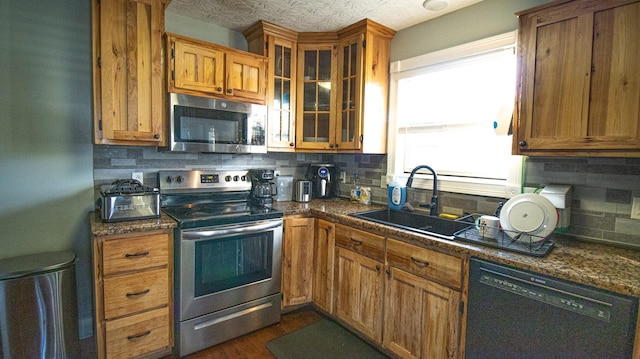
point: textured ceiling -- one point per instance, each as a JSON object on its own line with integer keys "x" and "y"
{"x": 310, "y": 16}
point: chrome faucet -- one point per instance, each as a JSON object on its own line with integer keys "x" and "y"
{"x": 433, "y": 206}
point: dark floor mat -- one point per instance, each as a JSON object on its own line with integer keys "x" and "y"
{"x": 323, "y": 339}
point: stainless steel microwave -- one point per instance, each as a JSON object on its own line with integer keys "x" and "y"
{"x": 201, "y": 124}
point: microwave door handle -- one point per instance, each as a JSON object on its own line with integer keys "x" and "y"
{"x": 227, "y": 230}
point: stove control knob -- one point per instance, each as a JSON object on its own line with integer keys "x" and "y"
{"x": 169, "y": 179}
{"x": 236, "y": 178}
{"x": 180, "y": 179}
{"x": 227, "y": 178}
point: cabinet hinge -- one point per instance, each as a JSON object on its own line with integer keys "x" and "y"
{"x": 364, "y": 44}
{"x": 99, "y": 62}
{"x": 100, "y": 125}
{"x": 173, "y": 75}
{"x": 361, "y": 138}
{"x": 461, "y": 307}
{"x": 173, "y": 54}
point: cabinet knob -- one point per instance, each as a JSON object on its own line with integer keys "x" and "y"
{"x": 522, "y": 143}
{"x": 156, "y": 136}
{"x": 378, "y": 268}
{"x": 291, "y": 144}
{"x": 230, "y": 91}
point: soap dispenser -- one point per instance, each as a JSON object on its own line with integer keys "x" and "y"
{"x": 397, "y": 194}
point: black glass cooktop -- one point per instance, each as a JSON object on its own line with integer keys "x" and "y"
{"x": 204, "y": 215}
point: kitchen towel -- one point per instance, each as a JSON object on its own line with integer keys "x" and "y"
{"x": 321, "y": 340}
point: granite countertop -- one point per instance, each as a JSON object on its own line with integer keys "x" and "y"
{"x": 606, "y": 267}
{"x": 98, "y": 228}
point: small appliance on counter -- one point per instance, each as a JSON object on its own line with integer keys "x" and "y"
{"x": 302, "y": 191}
{"x": 284, "y": 184}
{"x": 263, "y": 189}
{"x": 324, "y": 180}
{"x": 129, "y": 200}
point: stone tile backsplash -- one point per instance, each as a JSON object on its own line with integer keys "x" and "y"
{"x": 603, "y": 188}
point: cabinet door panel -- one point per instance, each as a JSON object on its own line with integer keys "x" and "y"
{"x": 198, "y": 68}
{"x": 324, "y": 251}
{"x": 297, "y": 256}
{"x": 615, "y": 84}
{"x": 131, "y": 90}
{"x": 422, "y": 318}
{"x": 246, "y": 76}
{"x": 359, "y": 292}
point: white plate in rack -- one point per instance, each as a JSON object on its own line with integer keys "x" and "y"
{"x": 528, "y": 217}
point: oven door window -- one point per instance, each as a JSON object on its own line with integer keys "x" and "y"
{"x": 232, "y": 262}
{"x": 201, "y": 125}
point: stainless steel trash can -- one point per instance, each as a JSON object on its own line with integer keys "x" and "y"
{"x": 38, "y": 306}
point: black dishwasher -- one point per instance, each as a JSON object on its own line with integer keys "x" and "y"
{"x": 514, "y": 313}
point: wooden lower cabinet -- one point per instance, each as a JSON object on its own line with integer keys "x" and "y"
{"x": 323, "y": 275}
{"x": 359, "y": 292}
{"x": 358, "y": 280}
{"x": 422, "y": 318}
{"x": 133, "y": 275}
{"x": 297, "y": 259}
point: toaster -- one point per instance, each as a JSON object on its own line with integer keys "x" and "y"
{"x": 129, "y": 200}
{"x": 302, "y": 191}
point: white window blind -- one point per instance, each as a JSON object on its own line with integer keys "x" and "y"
{"x": 452, "y": 111}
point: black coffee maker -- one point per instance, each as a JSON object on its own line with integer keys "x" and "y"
{"x": 263, "y": 188}
{"x": 324, "y": 180}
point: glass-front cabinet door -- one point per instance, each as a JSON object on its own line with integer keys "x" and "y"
{"x": 315, "y": 125}
{"x": 282, "y": 109}
{"x": 349, "y": 93}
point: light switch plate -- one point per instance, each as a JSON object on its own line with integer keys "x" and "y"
{"x": 635, "y": 208}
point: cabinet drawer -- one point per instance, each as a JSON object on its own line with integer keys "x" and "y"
{"x": 367, "y": 244}
{"x": 439, "y": 267}
{"x": 135, "y": 292}
{"x": 121, "y": 255}
{"x": 138, "y": 334}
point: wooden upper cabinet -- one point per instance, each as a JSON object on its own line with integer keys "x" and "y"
{"x": 128, "y": 72}
{"x": 280, "y": 47}
{"x": 334, "y": 99}
{"x": 203, "y": 69}
{"x": 363, "y": 84}
{"x": 200, "y": 67}
{"x": 579, "y": 83}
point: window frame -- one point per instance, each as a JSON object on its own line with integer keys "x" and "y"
{"x": 465, "y": 185}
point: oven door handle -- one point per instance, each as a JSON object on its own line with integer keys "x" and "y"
{"x": 227, "y": 230}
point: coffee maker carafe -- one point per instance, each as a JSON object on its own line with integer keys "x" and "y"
{"x": 262, "y": 187}
{"x": 323, "y": 180}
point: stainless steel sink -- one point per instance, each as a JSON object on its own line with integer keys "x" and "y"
{"x": 415, "y": 222}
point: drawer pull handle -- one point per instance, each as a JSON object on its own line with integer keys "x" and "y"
{"x": 419, "y": 262}
{"x": 135, "y": 255}
{"x": 357, "y": 242}
{"x": 138, "y": 336}
{"x": 129, "y": 295}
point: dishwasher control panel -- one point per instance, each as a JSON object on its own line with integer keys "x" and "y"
{"x": 535, "y": 289}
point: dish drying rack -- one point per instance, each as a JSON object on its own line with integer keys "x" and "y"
{"x": 524, "y": 243}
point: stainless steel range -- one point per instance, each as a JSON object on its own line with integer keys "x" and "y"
{"x": 228, "y": 256}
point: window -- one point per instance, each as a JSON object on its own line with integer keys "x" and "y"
{"x": 452, "y": 110}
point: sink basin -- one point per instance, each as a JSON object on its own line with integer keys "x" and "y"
{"x": 415, "y": 222}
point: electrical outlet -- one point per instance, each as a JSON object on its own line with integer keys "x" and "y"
{"x": 137, "y": 176}
{"x": 383, "y": 181}
{"x": 635, "y": 208}
{"x": 343, "y": 177}
{"x": 276, "y": 173}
